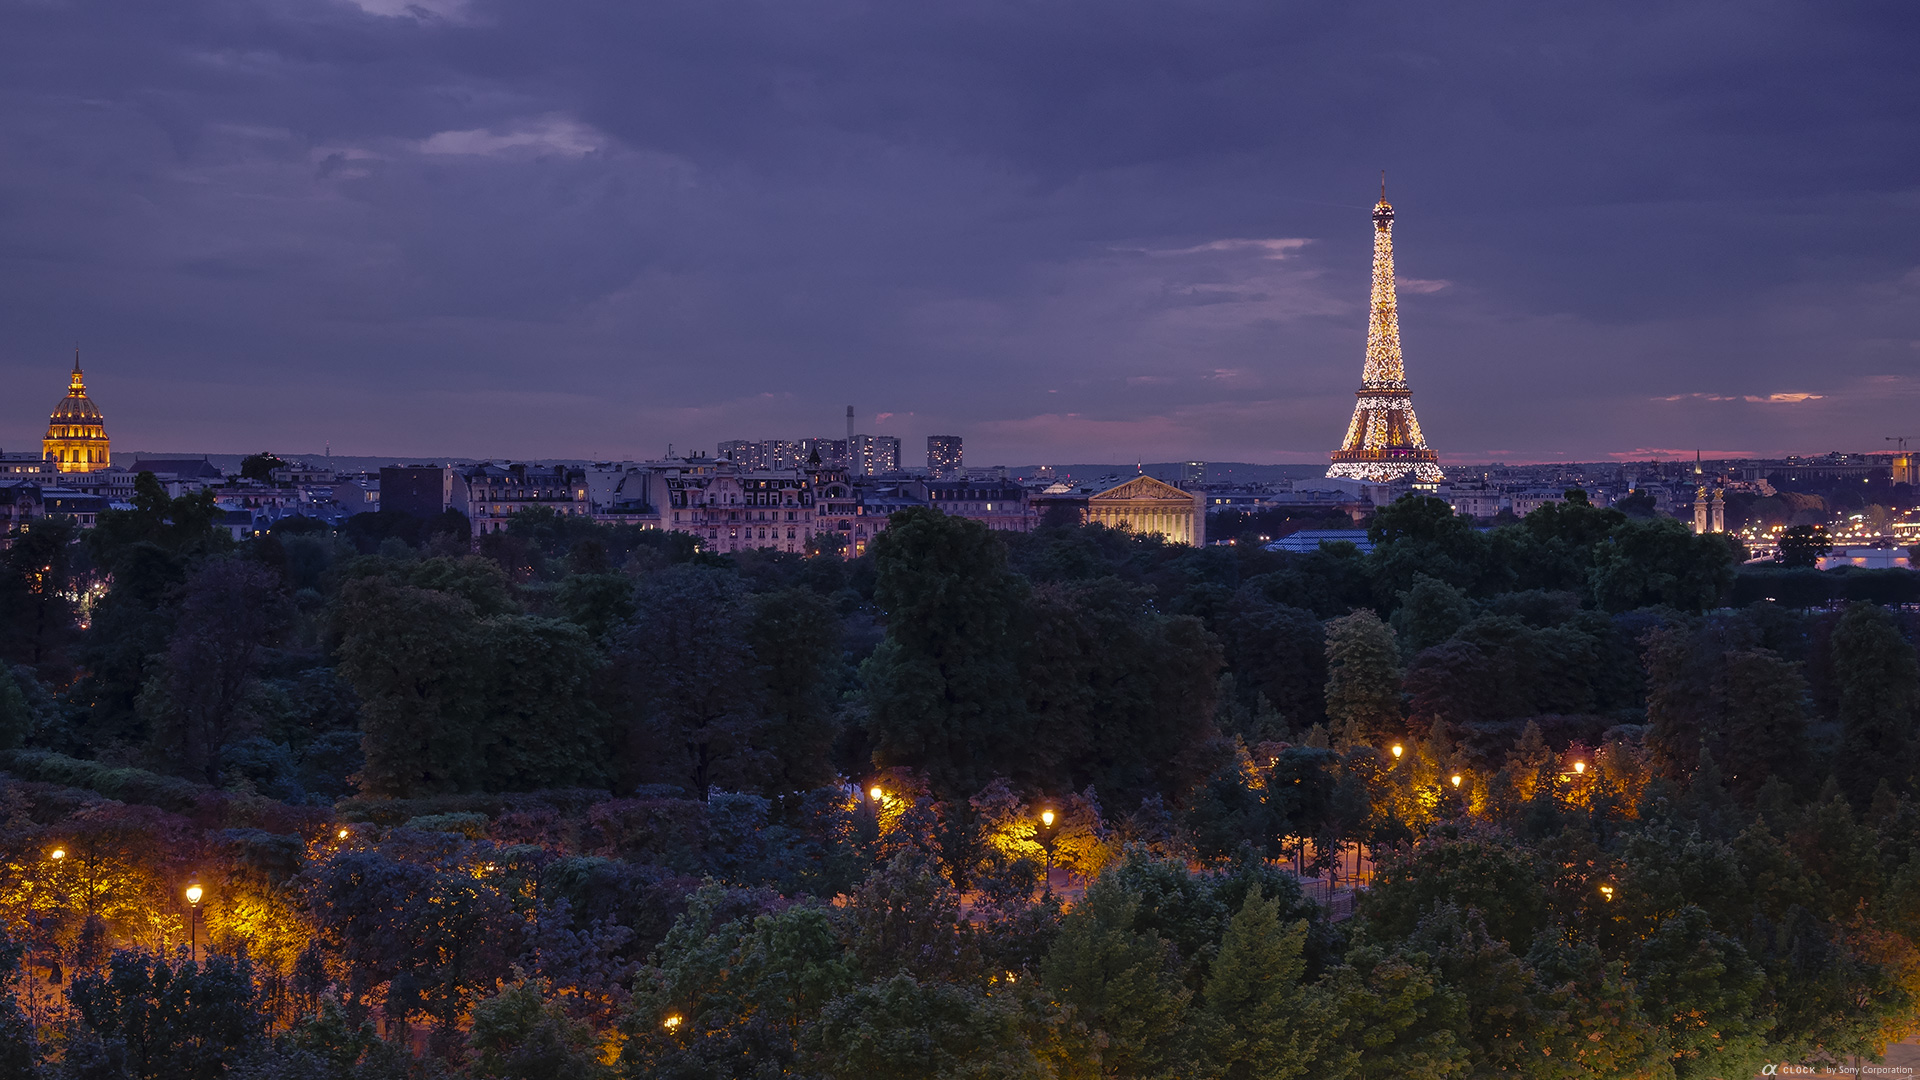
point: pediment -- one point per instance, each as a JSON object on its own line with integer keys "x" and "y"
{"x": 1142, "y": 488}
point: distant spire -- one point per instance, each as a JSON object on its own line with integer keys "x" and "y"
{"x": 1383, "y": 185}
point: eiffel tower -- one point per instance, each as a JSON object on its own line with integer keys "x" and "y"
{"x": 1383, "y": 442}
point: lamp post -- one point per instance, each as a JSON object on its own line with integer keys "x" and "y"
{"x": 194, "y": 893}
{"x": 1046, "y": 843}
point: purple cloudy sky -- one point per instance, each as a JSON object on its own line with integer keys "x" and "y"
{"x": 1065, "y": 229}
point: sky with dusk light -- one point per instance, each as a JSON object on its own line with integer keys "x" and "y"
{"x": 1078, "y": 230}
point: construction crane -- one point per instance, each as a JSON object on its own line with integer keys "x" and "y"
{"x": 1901, "y": 440}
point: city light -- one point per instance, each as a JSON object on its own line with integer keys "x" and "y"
{"x": 1580, "y": 767}
{"x": 1398, "y": 750}
{"x": 57, "y": 854}
{"x": 1606, "y": 892}
{"x": 194, "y": 893}
{"x": 1456, "y": 779}
{"x": 343, "y": 834}
{"x": 1046, "y": 818}
{"x": 672, "y": 1022}
{"x": 876, "y": 793}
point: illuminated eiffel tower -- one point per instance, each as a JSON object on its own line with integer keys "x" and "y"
{"x": 1383, "y": 442}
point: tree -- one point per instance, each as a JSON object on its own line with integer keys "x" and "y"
{"x": 1429, "y": 613}
{"x": 19, "y": 1048}
{"x": 1803, "y": 545}
{"x": 795, "y": 638}
{"x": 1118, "y": 1006}
{"x": 412, "y": 655}
{"x": 903, "y": 1029}
{"x": 941, "y": 687}
{"x": 35, "y": 593}
{"x": 16, "y": 715}
{"x": 1257, "y": 1018}
{"x": 1879, "y": 684}
{"x": 230, "y": 611}
{"x": 1710, "y": 990}
{"x": 176, "y": 1021}
{"x": 1642, "y": 563}
{"x": 543, "y": 728}
{"x": 1363, "y": 678}
{"x": 689, "y": 672}
{"x": 1118, "y": 695}
{"x": 521, "y": 1034}
{"x": 260, "y": 467}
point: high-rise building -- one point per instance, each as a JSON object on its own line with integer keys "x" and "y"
{"x": 1383, "y": 442}
{"x": 873, "y": 455}
{"x": 76, "y": 432}
{"x": 944, "y": 459}
{"x": 1193, "y": 474}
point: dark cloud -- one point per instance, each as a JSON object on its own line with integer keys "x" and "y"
{"x": 1084, "y": 228}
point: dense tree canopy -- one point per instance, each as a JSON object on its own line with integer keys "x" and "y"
{"x": 1575, "y": 796}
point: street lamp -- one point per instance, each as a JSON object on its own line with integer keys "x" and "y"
{"x": 1456, "y": 779}
{"x": 1606, "y": 893}
{"x": 1046, "y": 843}
{"x": 1579, "y": 768}
{"x": 1398, "y": 750}
{"x": 876, "y": 793}
{"x": 57, "y": 854}
{"x": 194, "y": 892}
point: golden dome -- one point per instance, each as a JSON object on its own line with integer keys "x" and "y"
{"x": 76, "y": 432}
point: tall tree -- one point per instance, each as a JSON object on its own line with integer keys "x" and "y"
{"x": 1363, "y": 678}
{"x": 230, "y": 611}
{"x": 413, "y": 655}
{"x": 1121, "y": 1009}
{"x": 1257, "y": 1017}
{"x": 1879, "y": 684}
{"x": 942, "y": 687}
{"x": 688, "y": 672}
{"x": 1118, "y": 695}
{"x": 795, "y": 638}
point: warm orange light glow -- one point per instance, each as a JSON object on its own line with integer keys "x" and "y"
{"x": 1606, "y": 891}
{"x": 194, "y": 892}
{"x": 1046, "y": 818}
{"x": 1398, "y": 750}
{"x": 57, "y": 854}
{"x": 1579, "y": 766}
{"x": 876, "y": 793}
{"x": 672, "y": 1022}
{"x": 343, "y": 834}
{"x": 1456, "y": 779}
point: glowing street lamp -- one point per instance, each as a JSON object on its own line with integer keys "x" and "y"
{"x": 1046, "y": 843}
{"x": 194, "y": 893}
{"x": 343, "y": 834}
{"x": 876, "y": 793}
{"x": 57, "y": 854}
{"x": 1606, "y": 893}
{"x": 1579, "y": 768}
{"x": 1456, "y": 779}
{"x": 671, "y": 1023}
{"x": 1398, "y": 750}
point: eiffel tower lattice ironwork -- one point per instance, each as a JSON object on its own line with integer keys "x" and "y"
{"x": 1383, "y": 442}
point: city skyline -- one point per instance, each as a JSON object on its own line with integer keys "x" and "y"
{"x": 475, "y": 230}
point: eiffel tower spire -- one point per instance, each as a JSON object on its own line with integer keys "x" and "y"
{"x": 1383, "y": 440}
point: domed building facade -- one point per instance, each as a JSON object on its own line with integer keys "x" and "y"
{"x": 76, "y": 433}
